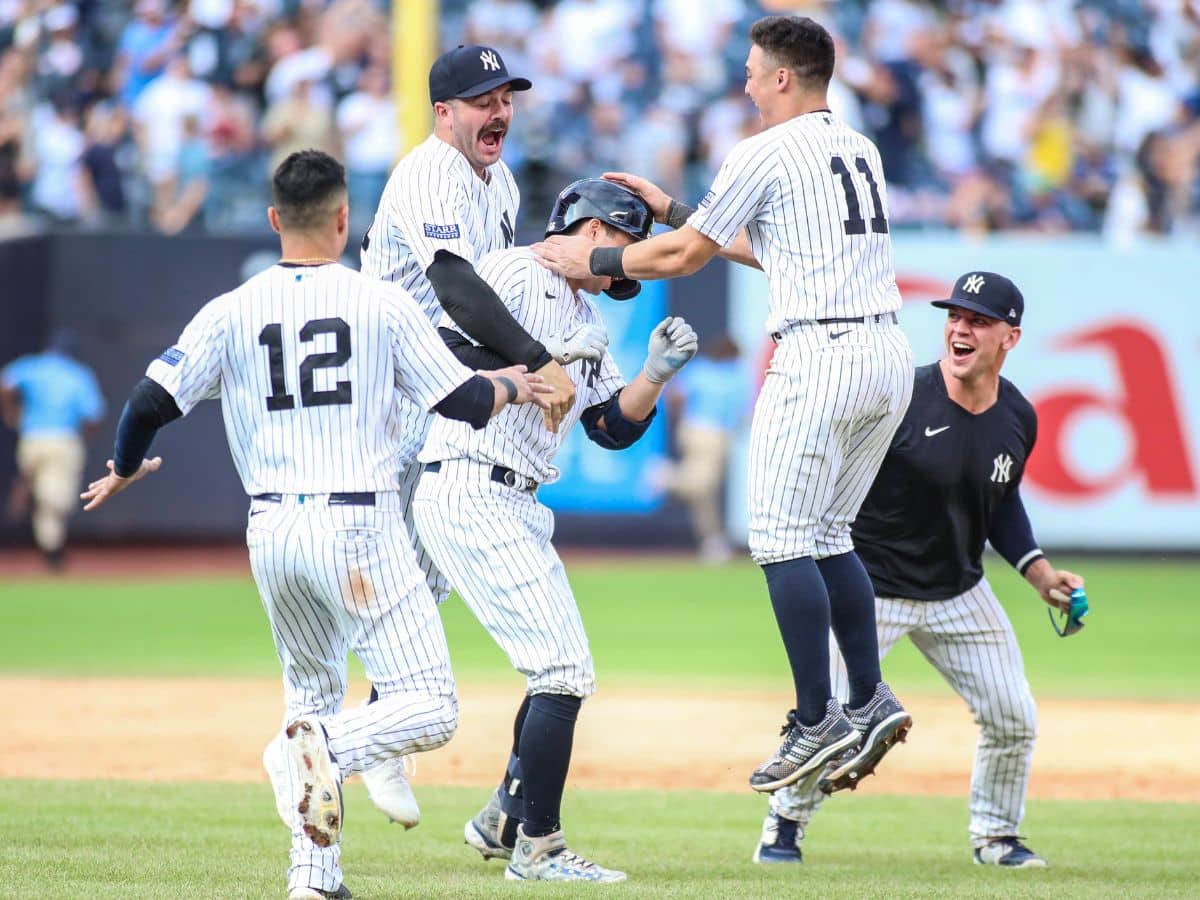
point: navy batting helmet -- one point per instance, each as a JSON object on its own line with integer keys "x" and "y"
{"x": 595, "y": 198}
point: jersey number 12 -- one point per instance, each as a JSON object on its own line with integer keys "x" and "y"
{"x": 856, "y": 224}
{"x": 271, "y": 337}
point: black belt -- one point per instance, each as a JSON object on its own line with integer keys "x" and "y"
{"x": 345, "y": 498}
{"x": 837, "y": 320}
{"x": 499, "y": 474}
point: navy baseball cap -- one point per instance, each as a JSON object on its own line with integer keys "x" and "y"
{"x": 989, "y": 294}
{"x": 469, "y": 72}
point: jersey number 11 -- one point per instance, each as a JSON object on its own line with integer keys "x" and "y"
{"x": 856, "y": 224}
{"x": 271, "y": 337}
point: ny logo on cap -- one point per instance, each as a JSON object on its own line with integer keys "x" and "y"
{"x": 491, "y": 62}
{"x": 973, "y": 284}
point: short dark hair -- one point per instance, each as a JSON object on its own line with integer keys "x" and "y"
{"x": 797, "y": 43}
{"x": 307, "y": 188}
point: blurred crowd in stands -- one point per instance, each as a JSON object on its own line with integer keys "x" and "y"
{"x": 1046, "y": 115}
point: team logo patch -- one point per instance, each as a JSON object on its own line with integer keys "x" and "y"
{"x": 171, "y": 356}
{"x": 1002, "y": 469}
{"x": 442, "y": 232}
{"x": 707, "y": 198}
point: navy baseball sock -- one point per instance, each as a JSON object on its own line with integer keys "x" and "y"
{"x": 852, "y": 612}
{"x": 511, "y": 793}
{"x": 801, "y": 605}
{"x": 545, "y": 756}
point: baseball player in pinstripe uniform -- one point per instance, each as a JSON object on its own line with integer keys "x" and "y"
{"x": 805, "y": 198}
{"x": 306, "y": 358}
{"x": 447, "y": 203}
{"x": 951, "y": 481}
{"x": 478, "y": 515}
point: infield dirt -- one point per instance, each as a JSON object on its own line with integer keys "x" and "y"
{"x": 208, "y": 729}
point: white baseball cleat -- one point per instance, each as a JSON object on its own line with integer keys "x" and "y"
{"x": 318, "y": 779}
{"x": 388, "y": 787}
{"x": 548, "y": 859}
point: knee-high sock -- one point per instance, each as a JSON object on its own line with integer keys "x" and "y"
{"x": 852, "y": 613}
{"x": 512, "y": 785}
{"x": 545, "y": 754}
{"x": 801, "y": 605}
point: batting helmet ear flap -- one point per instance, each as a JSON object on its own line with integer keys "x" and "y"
{"x": 624, "y": 289}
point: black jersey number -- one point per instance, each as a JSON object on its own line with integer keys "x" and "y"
{"x": 856, "y": 224}
{"x": 271, "y": 337}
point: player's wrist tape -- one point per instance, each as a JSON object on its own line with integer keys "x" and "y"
{"x": 508, "y": 386}
{"x": 678, "y": 214}
{"x": 607, "y": 261}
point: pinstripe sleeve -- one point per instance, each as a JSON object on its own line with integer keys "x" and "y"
{"x": 433, "y": 215}
{"x": 190, "y": 369}
{"x": 738, "y": 193}
{"x": 425, "y": 369}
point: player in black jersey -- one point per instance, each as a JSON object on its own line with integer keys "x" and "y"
{"x": 951, "y": 482}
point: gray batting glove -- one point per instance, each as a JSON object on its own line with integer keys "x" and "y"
{"x": 672, "y": 344}
{"x": 586, "y": 341}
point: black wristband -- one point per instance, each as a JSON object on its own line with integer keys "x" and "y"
{"x": 508, "y": 386}
{"x": 607, "y": 261}
{"x": 678, "y": 214}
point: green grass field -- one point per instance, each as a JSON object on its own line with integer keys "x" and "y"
{"x": 652, "y": 623}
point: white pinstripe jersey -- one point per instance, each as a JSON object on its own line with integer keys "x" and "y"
{"x": 307, "y": 362}
{"x": 811, "y": 195}
{"x": 434, "y": 201}
{"x": 517, "y": 438}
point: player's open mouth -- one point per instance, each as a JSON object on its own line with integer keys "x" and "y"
{"x": 961, "y": 350}
{"x": 492, "y": 138}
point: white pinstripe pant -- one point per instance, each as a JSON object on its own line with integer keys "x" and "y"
{"x": 339, "y": 578}
{"x": 822, "y": 425}
{"x": 971, "y": 642}
{"x": 493, "y": 542}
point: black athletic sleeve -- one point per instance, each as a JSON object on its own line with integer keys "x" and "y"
{"x": 148, "y": 409}
{"x": 618, "y": 432}
{"x": 478, "y": 311}
{"x": 470, "y": 402}
{"x": 1012, "y": 535}
{"x": 472, "y": 355}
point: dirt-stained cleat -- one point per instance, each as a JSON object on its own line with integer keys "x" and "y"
{"x": 319, "y": 782}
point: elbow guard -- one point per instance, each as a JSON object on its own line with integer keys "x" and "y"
{"x": 618, "y": 432}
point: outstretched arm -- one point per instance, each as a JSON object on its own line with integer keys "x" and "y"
{"x": 670, "y": 211}
{"x": 148, "y": 409}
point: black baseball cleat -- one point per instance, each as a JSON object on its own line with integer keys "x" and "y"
{"x": 882, "y": 723}
{"x": 780, "y": 841}
{"x": 806, "y": 749}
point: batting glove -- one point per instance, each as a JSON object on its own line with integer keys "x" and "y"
{"x": 585, "y": 341}
{"x": 672, "y": 344}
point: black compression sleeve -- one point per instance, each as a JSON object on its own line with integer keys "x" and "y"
{"x": 472, "y": 355}
{"x": 476, "y": 309}
{"x": 470, "y": 402}
{"x": 1012, "y": 535}
{"x": 148, "y": 409}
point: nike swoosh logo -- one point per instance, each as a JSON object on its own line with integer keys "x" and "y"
{"x": 549, "y": 295}
{"x": 834, "y": 335}
{"x": 930, "y": 432}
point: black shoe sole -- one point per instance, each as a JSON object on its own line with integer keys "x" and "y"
{"x": 893, "y": 730}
